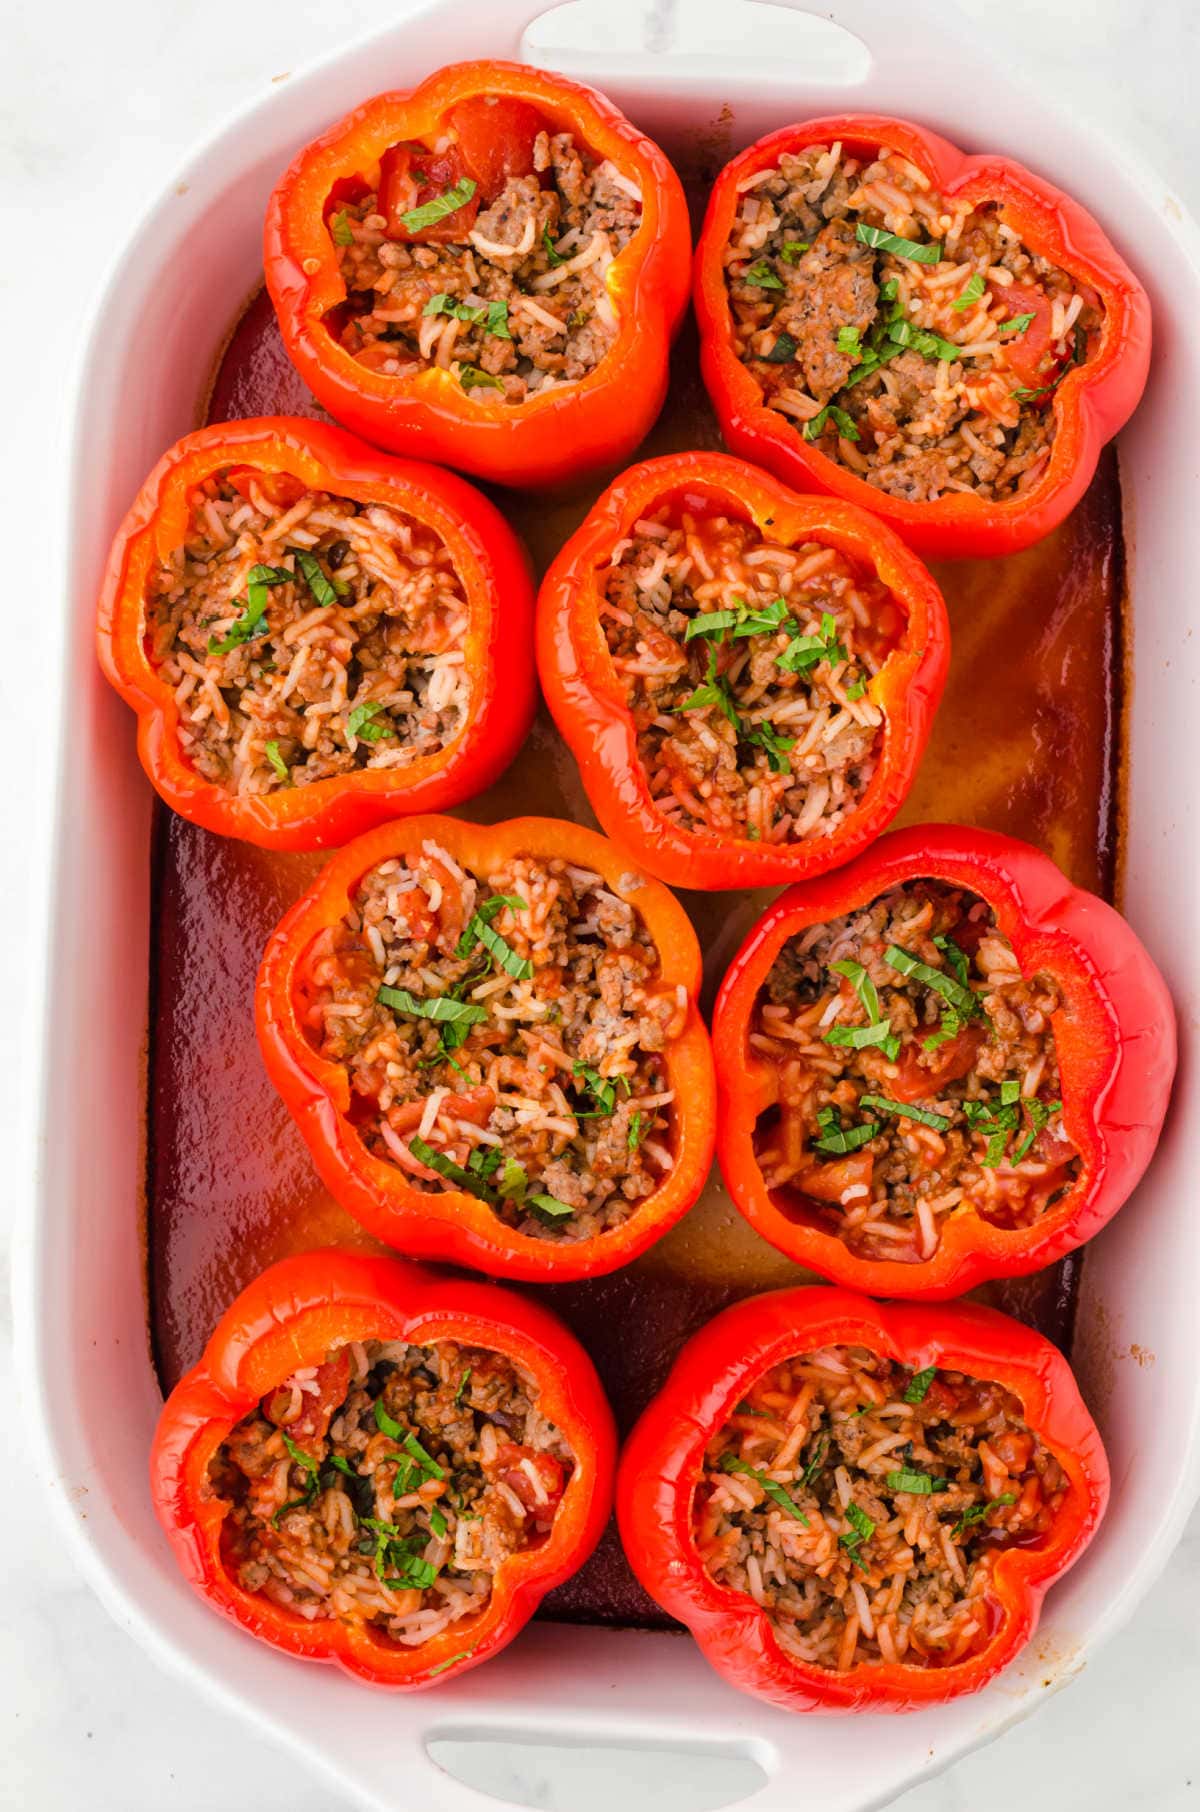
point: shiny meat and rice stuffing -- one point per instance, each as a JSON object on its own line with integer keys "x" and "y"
{"x": 389, "y": 1484}
{"x": 503, "y": 1034}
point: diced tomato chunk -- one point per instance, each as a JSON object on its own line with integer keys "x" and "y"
{"x": 316, "y": 1407}
{"x": 495, "y": 139}
{"x": 922, "y": 1074}
{"x": 409, "y": 177}
{"x": 279, "y": 488}
{"x": 512, "y": 1466}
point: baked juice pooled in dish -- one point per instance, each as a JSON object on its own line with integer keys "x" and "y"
{"x": 856, "y": 1505}
{"x": 947, "y": 340}
{"x": 487, "y": 269}
{"x": 940, "y": 1065}
{"x": 315, "y": 636}
{"x": 489, "y": 1038}
{"x": 747, "y": 678}
{"x": 376, "y": 1466}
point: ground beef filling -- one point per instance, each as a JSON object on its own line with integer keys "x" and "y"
{"x": 917, "y": 1075}
{"x": 925, "y": 366}
{"x": 747, "y": 667}
{"x": 305, "y": 635}
{"x": 503, "y": 1034}
{"x": 389, "y": 1484}
{"x": 517, "y": 302}
{"x": 863, "y": 1506}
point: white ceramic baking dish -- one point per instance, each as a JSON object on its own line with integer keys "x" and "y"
{"x": 658, "y": 1725}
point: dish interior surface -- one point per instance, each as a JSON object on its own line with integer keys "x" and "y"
{"x": 1026, "y": 742}
{"x": 633, "y": 1708}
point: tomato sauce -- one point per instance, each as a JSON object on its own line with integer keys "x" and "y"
{"x": 1027, "y": 742}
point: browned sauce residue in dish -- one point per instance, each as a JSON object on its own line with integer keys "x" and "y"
{"x": 1026, "y": 742}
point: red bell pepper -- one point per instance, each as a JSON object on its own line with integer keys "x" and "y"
{"x": 290, "y": 1318}
{"x": 490, "y": 563}
{"x": 590, "y": 702}
{"x": 1090, "y": 403}
{"x": 493, "y": 109}
{"x": 662, "y": 1461}
{"x": 1114, "y": 1034}
{"x": 451, "y": 1223}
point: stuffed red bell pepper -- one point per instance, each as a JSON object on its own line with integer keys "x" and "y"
{"x": 383, "y": 1468}
{"x": 489, "y": 1038}
{"x": 947, "y": 340}
{"x": 747, "y": 678}
{"x": 315, "y": 636}
{"x": 940, "y": 1065}
{"x": 486, "y": 269}
{"x": 859, "y": 1506}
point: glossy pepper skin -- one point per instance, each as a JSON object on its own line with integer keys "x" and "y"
{"x": 449, "y": 1223}
{"x": 587, "y": 699}
{"x": 488, "y": 557}
{"x": 662, "y": 1461}
{"x": 550, "y": 437}
{"x": 290, "y": 1317}
{"x": 1114, "y": 1034}
{"x": 1089, "y": 405}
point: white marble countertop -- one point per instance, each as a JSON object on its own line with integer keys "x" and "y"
{"x": 97, "y": 105}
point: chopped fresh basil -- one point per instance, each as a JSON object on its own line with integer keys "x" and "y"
{"x": 386, "y": 1424}
{"x": 839, "y": 1139}
{"x": 921, "y": 339}
{"x": 463, "y": 1383}
{"x": 250, "y": 623}
{"x": 731, "y": 1463}
{"x": 782, "y": 353}
{"x": 552, "y": 256}
{"x": 359, "y": 723}
{"x": 425, "y": 1461}
{"x": 977, "y": 1512}
{"x": 807, "y": 650}
{"x": 446, "y": 1167}
{"x": 882, "y": 241}
{"x": 1039, "y": 1113}
{"x": 493, "y": 314}
{"x": 918, "y": 1385}
{"x": 602, "y": 1089}
{"x": 904, "y": 1111}
{"x": 972, "y": 292}
{"x": 1010, "y": 1091}
{"x": 764, "y": 736}
{"x": 864, "y": 987}
{"x": 340, "y": 230}
{"x": 862, "y": 1529}
{"x": 471, "y": 378}
{"x": 861, "y": 1038}
{"x": 709, "y": 622}
{"x": 812, "y": 430}
{"x": 792, "y": 249}
{"x": 448, "y": 202}
{"x": 437, "y": 1522}
{"x": 849, "y": 340}
{"x": 280, "y": 766}
{"x": 761, "y": 276}
{"x": 299, "y": 1456}
{"x": 855, "y": 692}
{"x": 633, "y": 1137}
{"x": 315, "y": 577}
{"x": 920, "y": 1484}
{"x": 514, "y": 1182}
{"x": 341, "y": 1465}
{"x": 1018, "y": 324}
{"x": 479, "y": 930}
{"x": 817, "y": 1461}
{"x": 954, "y": 955}
{"x": 712, "y": 692}
{"x": 949, "y": 1026}
{"x": 442, "y": 1008}
{"x": 961, "y": 998}
{"x": 763, "y": 620}
{"x": 550, "y": 1206}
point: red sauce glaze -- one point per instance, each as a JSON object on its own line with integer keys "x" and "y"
{"x": 1027, "y": 742}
